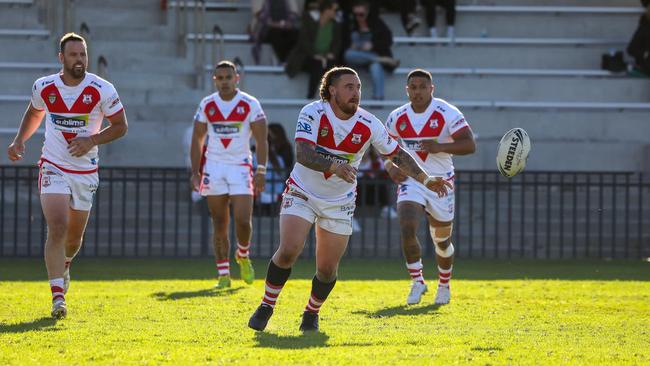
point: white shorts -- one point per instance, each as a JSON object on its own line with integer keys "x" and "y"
{"x": 335, "y": 217}
{"x": 440, "y": 208}
{"x": 231, "y": 179}
{"x": 80, "y": 186}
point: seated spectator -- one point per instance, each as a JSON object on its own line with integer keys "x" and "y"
{"x": 639, "y": 47}
{"x": 450, "y": 15}
{"x": 318, "y": 45}
{"x": 370, "y": 43}
{"x": 279, "y": 142}
{"x": 275, "y": 23}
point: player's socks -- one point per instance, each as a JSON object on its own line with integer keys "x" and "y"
{"x": 56, "y": 286}
{"x": 415, "y": 270}
{"x": 223, "y": 267}
{"x": 243, "y": 250}
{"x": 444, "y": 276}
{"x": 66, "y": 274}
{"x": 276, "y": 277}
{"x": 319, "y": 292}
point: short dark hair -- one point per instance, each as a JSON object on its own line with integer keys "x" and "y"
{"x": 363, "y": 3}
{"x": 225, "y": 64}
{"x": 330, "y": 77}
{"x": 419, "y": 73}
{"x": 70, "y": 37}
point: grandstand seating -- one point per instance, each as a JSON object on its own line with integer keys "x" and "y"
{"x": 501, "y": 73}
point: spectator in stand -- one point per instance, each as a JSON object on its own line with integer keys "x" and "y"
{"x": 318, "y": 45}
{"x": 275, "y": 23}
{"x": 280, "y": 144}
{"x": 639, "y": 46}
{"x": 370, "y": 43}
{"x": 450, "y": 15}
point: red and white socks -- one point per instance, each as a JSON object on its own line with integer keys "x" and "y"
{"x": 223, "y": 267}
{"x": 319, "y": 292}
{"x": 415, "y": 270}
{"x": 444, "y": 275}
{"x": 56, "y": 286}
{"x": 276, "y": 277}
{"x": 243, "y": 250}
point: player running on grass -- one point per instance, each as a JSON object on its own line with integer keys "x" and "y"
{"x": 433, "y": 130}
{"x": 74, "y": 103}
{"x": 228, "y": 117}
{"x": 332, "y": 135}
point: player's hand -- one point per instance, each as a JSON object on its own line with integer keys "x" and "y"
{"x": 432, "y": 146}
{"x": 396, "y": 174}
{"x": 79, "y": 146}
{"x": 16, "y": 150}
{"x": 259, "y": 181}
{"x": 346, "y": 172}
{"x": 195, "y": 181}
{"x": 439, "y": 186}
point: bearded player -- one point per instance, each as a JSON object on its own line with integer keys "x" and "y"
{"x": 332, "y": 135}
{"x": 74, "y": 103}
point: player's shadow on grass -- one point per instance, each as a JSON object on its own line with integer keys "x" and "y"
{"x": 400, "y": 310}
{"x": 44, "y": 323}
{"x": 305, "y": 340}
{"x": 164, "y": 296}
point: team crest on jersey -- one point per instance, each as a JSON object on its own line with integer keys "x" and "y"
{"x": 240, "y": 110}
{"x": 356, "y": 138}
{"x": 51, "y": 97}
{"x": 402, "y": 126}
{"x": 287, "y": 202}
{"x": 45, "y": 182}
{"x": 433, "y": 123}
{"x": 212, "y": 111}
{"x": 88, "y": 98}
{"x": 324, "y": 131}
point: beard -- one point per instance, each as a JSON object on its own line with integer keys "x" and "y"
{"x": 346, "y": 107}
{"x": 77, "y": 72}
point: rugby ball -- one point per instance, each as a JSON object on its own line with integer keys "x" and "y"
{"x": 512, "y": 152}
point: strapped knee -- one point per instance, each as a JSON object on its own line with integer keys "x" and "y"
{"x": 440, "y": 236}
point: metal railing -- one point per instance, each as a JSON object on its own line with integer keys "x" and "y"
{"x": 148, "y": 212}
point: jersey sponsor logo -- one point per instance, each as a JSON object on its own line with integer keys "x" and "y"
{"x": 115, "y": 101}
{"x": 304, "y": 127}
{"x": 324, "y": 131}
{"x": 332, "y": 157}
{"x": 45, "y": 182}
{"x": 458, "y": 123}
{"x": 88, "y": 99}
{"x": 306, "y": 115}
{"x": 212, "y": 111}
{"x": 402, "y": 126}
{"x": 96, "y": 84}
{"x": 223, "y": 129}
{"x": 70, "y": 123}
{"x": 414, "y": 145}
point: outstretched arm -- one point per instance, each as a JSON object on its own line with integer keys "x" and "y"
{"x": 408, "y": 165}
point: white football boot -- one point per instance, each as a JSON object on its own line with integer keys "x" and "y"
{"x": 59, "y": 309}
{"x": 443, "y": 296}
{"x": 415, "y": 295}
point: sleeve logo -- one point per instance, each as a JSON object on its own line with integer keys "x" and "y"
{"x": 304, "y": 127}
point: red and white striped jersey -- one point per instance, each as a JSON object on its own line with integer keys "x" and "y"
{"x": 440, "y": 121}
{"x": 72, "y": 111}
{"x": 339, "y": 140}
{"x": 229, "y": 129}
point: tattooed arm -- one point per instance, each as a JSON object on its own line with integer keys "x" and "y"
{"x": 306, "y": 155}
{"x": 405, "y": 162}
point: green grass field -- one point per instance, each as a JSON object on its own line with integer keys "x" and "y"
{"x": 159, "y": 311}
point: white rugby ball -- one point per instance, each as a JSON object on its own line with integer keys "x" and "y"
{"x": 512, "y": 152}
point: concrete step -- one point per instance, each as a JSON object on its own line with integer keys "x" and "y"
{"x": 474, "y": 88}
{"x": 484, "y": 56}
{"x": 20, "y": 17}
{"x": 125, "y": 14}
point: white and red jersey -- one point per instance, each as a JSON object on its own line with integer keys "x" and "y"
{"x": 72, "y": 111}
{"x": 339, "y": 140}
{"x": 229, "y": 129}
{"x": 440, "y": 121}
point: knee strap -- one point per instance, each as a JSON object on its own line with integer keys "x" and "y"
{"x": 438, "y": 239}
